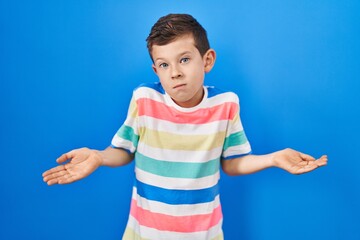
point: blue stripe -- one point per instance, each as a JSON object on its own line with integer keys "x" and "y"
{"x": 176, "y": 196}
{"x": 213, "y": 91}
{"x": 155, "y": 85}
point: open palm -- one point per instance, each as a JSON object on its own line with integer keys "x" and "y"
{"x": 296, "y": 162}
{"x": 82, "y": 162}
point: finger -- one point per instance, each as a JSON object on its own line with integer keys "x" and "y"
{"x": 307, "y": 157}
{"x": 55, "y": 175}
{"x": 52, "y": 182}
{"x": 324, "y": 157}
{"x": 53, "y": 170}
{"x": 66, "y": 156}
{"x": 303, "y": 163}
{"x": 322, "y": 161}
{"x": 63, "y": 179}
{"x": 63, "y": 158}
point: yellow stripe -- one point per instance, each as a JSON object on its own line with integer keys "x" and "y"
{"x": 130, "y": 234}
{"x": 235, "y": 119}
{"x": 133, "y": 110}
{"x": 173, "y": 141}
{"x": 218, "y": 237}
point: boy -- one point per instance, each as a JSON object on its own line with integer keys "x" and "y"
{"x": 179, "y": 132}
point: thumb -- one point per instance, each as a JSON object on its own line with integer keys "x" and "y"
{"x": 66, "y": 156}
{"x": 307, "y": 157}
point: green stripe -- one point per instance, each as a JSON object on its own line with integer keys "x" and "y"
{"x": 127, "y": 133}
{"x": 234, "y": 139}
{"x": 176, "y": 169}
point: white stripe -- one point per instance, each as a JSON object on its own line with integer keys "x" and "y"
{"x": 234, "y": 127}
{"x": 151, "y": 233}
{"x": 237, "y": 150}
{"x": 146, "y": 92}
{"x": 131, "y": 122}
{"x": 177, "y": 183}
{"x": 220, "y": 99}
{"x": 179, "y": 155}
{"x": 177, "y": 209}
{"x": 184, "y": 129}
{"x": 122, "y": 143}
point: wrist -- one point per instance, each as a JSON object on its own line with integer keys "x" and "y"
{"x": 99, "y": 156}
{"x": 272, "y": 159}
{"x": 279, "y": 156}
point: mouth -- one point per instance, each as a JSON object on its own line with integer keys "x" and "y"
{"x": 179, "y": 86}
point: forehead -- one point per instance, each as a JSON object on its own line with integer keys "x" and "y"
{"x": 173, "y": 49}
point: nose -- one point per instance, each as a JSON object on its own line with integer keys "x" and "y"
{"x": 176, "y": 72}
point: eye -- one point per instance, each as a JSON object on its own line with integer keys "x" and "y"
{"x": 185, "y": 60}
{"x": 163, "y": 65}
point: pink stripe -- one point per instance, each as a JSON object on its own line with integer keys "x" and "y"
{"x": 193, "y": 223}
{"x": 152, "y": 108}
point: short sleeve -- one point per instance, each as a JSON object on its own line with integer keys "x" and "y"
{"x": 127, "y": 136}
{"x": 236, "y": 143}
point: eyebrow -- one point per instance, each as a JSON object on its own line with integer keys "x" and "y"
{"x": 180, "y": 54}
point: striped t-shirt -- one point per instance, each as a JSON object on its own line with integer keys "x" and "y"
{"x": 177, "y": 162}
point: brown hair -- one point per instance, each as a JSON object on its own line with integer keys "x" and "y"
{"x": 170, "y": 27}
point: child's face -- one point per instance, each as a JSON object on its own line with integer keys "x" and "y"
{"x": 181, "y": 70}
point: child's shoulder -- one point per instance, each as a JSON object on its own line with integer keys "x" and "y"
{"x": 154, "y": 86}
{"x": 149, "y": 90}
{"x": 222, "y": 94}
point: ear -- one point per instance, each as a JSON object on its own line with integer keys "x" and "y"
{"x": 209, "y": 60}
{"x": 154, "y": 68}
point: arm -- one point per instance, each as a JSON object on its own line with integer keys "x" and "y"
{"x": 115, "y": 157}
{"x": 82, "y": 162}
{"x": 290, "y": 160}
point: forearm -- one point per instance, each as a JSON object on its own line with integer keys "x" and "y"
{"x": 247, "y": 164}
{"x": 113, "y": 157}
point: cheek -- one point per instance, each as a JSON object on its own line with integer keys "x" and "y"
{"x": 162, "y": 78}
{"x": 198, "y": 76}
{"x": 198, "y": 71}
{"x": 164, "y": 82}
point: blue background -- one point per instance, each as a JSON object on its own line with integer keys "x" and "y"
{"x": 67, "y": 70}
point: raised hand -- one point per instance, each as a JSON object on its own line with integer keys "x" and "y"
{"x": 296, "y": 162}
{"x": 82, "y": 162}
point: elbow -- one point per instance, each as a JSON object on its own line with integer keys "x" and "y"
{"x": 228, "y": 168}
